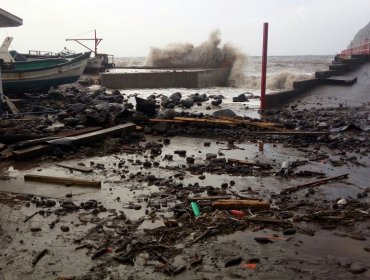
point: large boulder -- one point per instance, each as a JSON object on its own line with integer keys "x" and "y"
{"x": 224, "y": 113}
{"x": 240, "y": 98}
{"x": 187, "y": 102}
{"x": 145, "y": 106}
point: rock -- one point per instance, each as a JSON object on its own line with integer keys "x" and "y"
{"x": 169, "y": 114}
{"x": 145, "y": 106}
{"x": 240, "y": 98}
{"x": 176, "y": 96}
{"x": 216, "y": 102}
{"x": 116, "y": 92}
{"x": 210, "y": 156}
{"x": 357, "y": 268}
{"x": 147, "y": 164}
{"x": 64, "y": 228}
{"x": 56, "y": 94}
{"x": 50, "y": 203}
{"x": 190, "y": 160}
{"x": 137, "y": 207}
{"x": 224, "y": 113}
{"x": 219, "y": 96}
{"x": 199, "y": 97}
{"x": 233, "y": 262}
{"x": 187, "y": 102}
{"x": 161, "y": 127}
{"x": 76, "y": 108}
{"x": 70, "y": 121}
{"x": 290, "y": 231}
{"x": 180, "y": 152}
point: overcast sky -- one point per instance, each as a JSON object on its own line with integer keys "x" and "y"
{"x": 131, "y": 27}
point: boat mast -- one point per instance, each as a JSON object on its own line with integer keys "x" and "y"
{"x": 95, "y": 39}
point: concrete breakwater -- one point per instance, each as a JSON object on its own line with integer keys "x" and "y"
{"x": 172, "y": 78}
{"x": 276, "y": 99}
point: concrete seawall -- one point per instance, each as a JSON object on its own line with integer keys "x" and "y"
{"x": 276, "y": 99}
{"x": 167, "y": 79}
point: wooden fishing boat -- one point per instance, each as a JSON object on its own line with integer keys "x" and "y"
{"x": 42, "y": 74}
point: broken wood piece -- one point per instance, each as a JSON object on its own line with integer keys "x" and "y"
{"x": 202, "y": 120}
{"x": 38, "y": 256}
{"x": 267, "y": 220}
{"x": 312, "y": 184}
{"x": 62, "y": 180}
{"x": 266, "y": 125}
{"x": 103, "y": 133}
{"x": 240, "y": 204}
{"x": 293, "y": 133}
{"x": 30, "y": 152}
{"x": 77, "y": 132}
{"x": 83, "y": 169}
{"x": 218, "y": 197}
{"x": 166, "y": 120}
{"x": 30, "y": 217}
{"x": 248, "y": 162}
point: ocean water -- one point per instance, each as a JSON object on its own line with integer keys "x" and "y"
{"x": 282, "y": 71}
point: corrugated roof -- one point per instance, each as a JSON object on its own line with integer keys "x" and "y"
{"x": 9, "y": 20}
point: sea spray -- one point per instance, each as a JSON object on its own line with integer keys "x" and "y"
{"x": 277, "y": 81}
{"x": 209, "y": 54}
{"x": 285, "y": 80}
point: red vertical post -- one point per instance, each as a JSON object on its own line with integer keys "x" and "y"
{"x": 264, "y": 65}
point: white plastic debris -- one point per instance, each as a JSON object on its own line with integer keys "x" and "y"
{"x": 285, "y": 168}
{"x": 342, "y": 201}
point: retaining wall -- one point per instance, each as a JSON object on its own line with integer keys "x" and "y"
{"x": 166, "y": 79}
{"x": 276, "y": 99}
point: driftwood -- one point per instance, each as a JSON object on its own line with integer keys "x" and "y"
{"x": 293, "y": 133}
{"x": 39, "y": 256}
{"x": 240, "y": 204}
{"x": 30, "y": 217}
{"x": 312, "y": 184}
{"x": 62, "y": 180}
{"x": 248, "y": 162}
{"x": 83, "y": 169}
{"x": 218, "y": 197}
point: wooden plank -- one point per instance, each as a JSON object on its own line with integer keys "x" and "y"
{"x": 248, "y": 162}
{"x": 75, "y": 137}
{"x": 237, "y": 204}
{"x": 212, "y": 121}
{"x": 10, "y": 104}
{"x": 293, "y": 132}
{"x": 62, "y": 180}
{"x": 312, "y": 184}
{"x": 217, "y": 197}
{"x": 78, "y": 132}
{"x": 266, "y": 125}
{"x": 31, "y": 152}
{"x": 83, "y": 169}
{"x": 166, "y": 120}
{"x": 98, "y": 135}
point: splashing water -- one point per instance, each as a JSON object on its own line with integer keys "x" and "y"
{"x": 209, "y": 54}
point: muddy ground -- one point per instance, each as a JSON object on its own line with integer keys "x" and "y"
{"x": 140, "y": 223}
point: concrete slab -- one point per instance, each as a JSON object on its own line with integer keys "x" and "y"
{"x": 341, "y": 80}
{"x": 332, "y": 95}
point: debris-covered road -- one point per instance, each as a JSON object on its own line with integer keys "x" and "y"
{"x": 183, "y": 193}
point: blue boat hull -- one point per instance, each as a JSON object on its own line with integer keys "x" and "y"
{"x": 37, "y": 78}
{"x": 36, "y": 85}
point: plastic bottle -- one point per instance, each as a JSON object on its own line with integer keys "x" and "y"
{"x": 195, "y": 208}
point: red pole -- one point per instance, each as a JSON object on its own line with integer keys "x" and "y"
{"x": 264, "y": 65}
